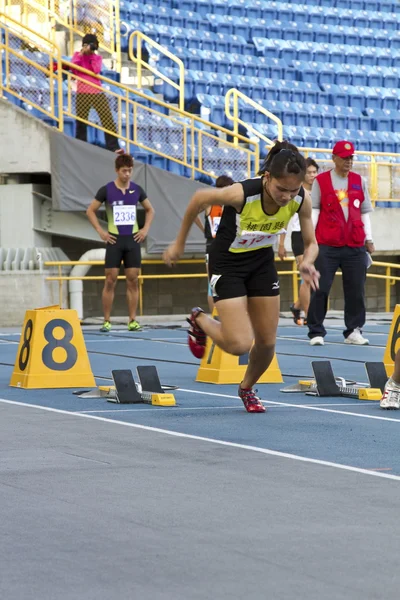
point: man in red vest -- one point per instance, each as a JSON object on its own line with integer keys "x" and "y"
{"x": 341, "y": 207}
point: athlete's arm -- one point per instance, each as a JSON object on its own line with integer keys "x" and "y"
{"x": 92, "y": 216}
{"x": 281, "y": 248}
{"x": 307, "y": 269}
{"x": 232, "y": 195}
{"x": 141, "y": 235}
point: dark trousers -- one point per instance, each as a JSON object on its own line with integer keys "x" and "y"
{"x": 353, "y": 263}
{"x": 84, "y": 102}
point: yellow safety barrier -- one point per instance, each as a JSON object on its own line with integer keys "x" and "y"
{"x": 389, "y": 278}
{"x": 75, "y": 17}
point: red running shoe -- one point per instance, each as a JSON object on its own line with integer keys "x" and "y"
{"x": 251, "y": 402}
{"x": 196, "y": 336}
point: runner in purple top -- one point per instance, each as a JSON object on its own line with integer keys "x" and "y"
{"x": 121, "y": 198}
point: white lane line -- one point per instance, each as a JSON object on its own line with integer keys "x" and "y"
{"x": 155, "y": 409}
{"x": 304, "y": 406}
{"x": 187, "y": 436}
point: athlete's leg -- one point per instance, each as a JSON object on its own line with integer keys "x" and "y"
{"x": 226, "y": 332}
{"x": 132, "y": 291}
{"x": 108, "y": 292}
{"x": 264, "y": 317}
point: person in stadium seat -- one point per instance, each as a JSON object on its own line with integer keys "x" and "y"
{"x": 123, "y": 238}
{"x": 391, "y": 394}
{"x": 91, "y": 96}
{"x": 341, "y": 207}
{"x": 299, "y": 308}
{"x": 242, "y": 271}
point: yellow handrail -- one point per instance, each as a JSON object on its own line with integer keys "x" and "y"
{"x": 235, "y": 95}
{"x": 190, "y": 128}
{"x": 138, "y": 59}
{"x": 388, "y": 277}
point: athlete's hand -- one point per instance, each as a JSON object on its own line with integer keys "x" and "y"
{"x": 172, "y": 254}
{"x": 107, "y": 237}
{"x": 141, "y": 235}
{"x": 282, "y": 252}
{"x": 310, "y": 275}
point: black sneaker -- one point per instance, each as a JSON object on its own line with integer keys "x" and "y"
{"x": 296, "y": 315}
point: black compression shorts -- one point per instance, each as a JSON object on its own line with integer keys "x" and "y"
{"x": 297, "y": 243}
{"x": 125, "y": 250}
{"x": 250, "y": 274}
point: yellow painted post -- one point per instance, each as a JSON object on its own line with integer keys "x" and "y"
{"x": 192, "y": 148}
{"x": 117, "y": 45}
{"x": 60, "y": 286}
{"x": 294, "y": 281}
{"x": 141, "y": 284}
{"x": 236, "y": 118}
{"x": 139, "y": 58}
{"x": 387, "y": 289}
{"x": 374, "y": 180}
{"x": 181, "y": 87}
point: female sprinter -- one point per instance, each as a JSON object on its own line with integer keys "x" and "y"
{"x": 242, "y": 272}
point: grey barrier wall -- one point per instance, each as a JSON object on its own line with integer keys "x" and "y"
{"x": 79, "y": 170}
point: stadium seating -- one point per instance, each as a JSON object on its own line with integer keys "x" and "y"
{"x": 327, "y": 69}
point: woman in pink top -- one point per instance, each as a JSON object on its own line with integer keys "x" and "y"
{"x": 91, "y": 96}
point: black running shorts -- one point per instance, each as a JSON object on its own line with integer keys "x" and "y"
{"x": 125, "y": 250}
{"x": 250, "y": 274}
{"x": 297, "y": 243}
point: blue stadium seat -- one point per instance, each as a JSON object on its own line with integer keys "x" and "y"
{"x": 237, "y": 10}
{"x": 321, "y": 53}
{"x": 344, "y": 74}
{"x": 221, "y": 24}
{"x": 327, "y": 74}
{"x": 361, "y": 75}
{"x": 249, "y": 65}
{"x": 384, "y": 57}
{"x": 390, "y": 98}
{"x": 316, "y": 15}
{"x": 322, "y": 34}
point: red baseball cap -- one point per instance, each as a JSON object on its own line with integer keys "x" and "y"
{"x": 343, "y": 149}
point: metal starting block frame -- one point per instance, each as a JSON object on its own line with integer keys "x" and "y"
{"x": 326, "y": 384}
{"x": 126, "y": 391}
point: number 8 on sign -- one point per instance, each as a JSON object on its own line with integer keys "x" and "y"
{"x": 52, "y": 351}
{"x": 64, "y": 343}
{"x": 25, "y": 351}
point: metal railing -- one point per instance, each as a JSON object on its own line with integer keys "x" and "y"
{"x": 232, "y": 98}
{"x": 136, "y": 41}
{"x": 389, "y": 278}
{"x": 147, "y": 123}
{"x": 76, "y": 17}
{"x": 199, "y": 146}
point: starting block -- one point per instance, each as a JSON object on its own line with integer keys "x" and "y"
{"x": 148, "y": 391}
{"x": 326, "y": 384}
